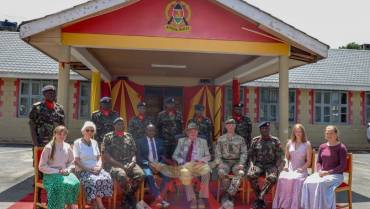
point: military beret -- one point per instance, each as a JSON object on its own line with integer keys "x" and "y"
{"x": 48, "y": 88}
{"x": 105, "y": 100}
{"x": 264, "y": 124}
{"x": 230, "y": 121}
{"x": 170, "y": 100}
{"x": 141, "y": 104}
{"x": 240, "y": 105}
{"x": 192, "y": 125}
{"x": 199, "y": 107}
{"x": 117, "y": 120}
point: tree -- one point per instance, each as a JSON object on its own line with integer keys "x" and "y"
{"x": 352, "y": 45}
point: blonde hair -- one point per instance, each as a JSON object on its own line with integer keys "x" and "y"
{"x": 57, "y": 130}
{"x": 88, "y": 124}
{"x": 293, "y": 138}
{"x": 335, "y": 129}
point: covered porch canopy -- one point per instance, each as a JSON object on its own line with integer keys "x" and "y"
{"x": 172, "y": 43}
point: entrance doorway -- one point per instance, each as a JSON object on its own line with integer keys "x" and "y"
{"x": 155, "y": 96}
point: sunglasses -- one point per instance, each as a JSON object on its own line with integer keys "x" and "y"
{"x": 89, "y": 130}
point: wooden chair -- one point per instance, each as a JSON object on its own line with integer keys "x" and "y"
{"x": 346, "y": 186}
{"x": 37, "y": 181}
{"x": 242, "y": 188}
{"x": 82, "y": 199}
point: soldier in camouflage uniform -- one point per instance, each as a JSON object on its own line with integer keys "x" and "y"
{"x": 104, "y": 118}
{"x": 266, "y": 158}
{"x": 169, "y": 124}
{"x": 204, "y": 125}
{"x": 243, "y": 124}
{"x": 120, "y": 161}
{"x": 45, "y": 116}
{"x": 230, "y": 155}
{"x": 137, "y": 124}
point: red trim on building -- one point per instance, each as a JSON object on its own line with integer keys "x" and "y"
{"x": 312, "y": 102}
{"x": 1, "y": 95}
{"x": 246, "y": 100}
{"x": 257, "y": 104}
{"x": 16, "y": 96}
{"x": 76, "y": 99}
{"x": 350, "y": 105}
{"x": 298, "y": 93}
{"x": 362, "y": 111}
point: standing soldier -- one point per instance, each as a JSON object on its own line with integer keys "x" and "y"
{"x": 45, "y": 116}
{"x": 169, "y": 123}
{"x": 230, "y": 155}
{"x": 266, "y": 157}
{"x": 243, "y": 124}
{"x": 204, "y": 125}
{"x": 104, "y": 118}
{"x": 120, "y": 161}
{"x": 137, "y": 124}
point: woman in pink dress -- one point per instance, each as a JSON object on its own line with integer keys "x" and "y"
{"x": 298, "y": 153}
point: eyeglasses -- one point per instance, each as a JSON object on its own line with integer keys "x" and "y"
{"x": 89, "y": 130}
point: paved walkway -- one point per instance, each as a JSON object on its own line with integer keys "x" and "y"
{"x": 17, "y": 171}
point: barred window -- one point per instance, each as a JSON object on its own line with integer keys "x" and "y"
{"x": 367, "y": 107}
{"x": 229, "y": 101}
{"x": 269, "y": 104}
{"x": 84, "y": 101}
{"x": 331, "y": 107}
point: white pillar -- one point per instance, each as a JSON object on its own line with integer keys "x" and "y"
{"x": 283, "y": 99}
{"x": 63, "y": 81}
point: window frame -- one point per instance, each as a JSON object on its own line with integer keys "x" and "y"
{"x": 332, "y": 107}
{"x": 367, "y": 107}
{"x": 228, "y": 100}
{"x": 84, "y": 98}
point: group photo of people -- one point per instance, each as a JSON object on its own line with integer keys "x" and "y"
{"x": 165, "y": 152}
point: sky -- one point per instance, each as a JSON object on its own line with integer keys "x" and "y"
{"x": 334, "y": 22}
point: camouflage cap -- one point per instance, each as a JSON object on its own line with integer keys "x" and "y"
{"x": 230, "y": 121}
{"x": 170, "y": 100}
{"x": 239, "y": 105}
{"x": 48, "y": 88}
{"x": 192, "y": 125}
{"x": 141, "y": 104}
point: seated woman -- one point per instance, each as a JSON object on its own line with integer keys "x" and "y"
{"x": 298, "y": 153}
{"x": 56, "y": 160}
{"x": 96, "y": 181}
{"x": 319, "y": 189}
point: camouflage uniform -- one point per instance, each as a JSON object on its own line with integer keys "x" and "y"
{"x": 267, "y": 158}
{"x": 123, "y": 150}
{"x": 136, "y": 126}
{"x": 169, "y": 127}
{"x": 229, "y": 154}
{"x": 104, "y": 124}
{"x": 45, "y": 120}
{"x": 244, "y": 128}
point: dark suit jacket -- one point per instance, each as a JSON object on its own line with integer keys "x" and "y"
{"x": 143, "y": 151}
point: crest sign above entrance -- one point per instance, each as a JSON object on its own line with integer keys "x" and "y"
{"x": 178, "y": 15}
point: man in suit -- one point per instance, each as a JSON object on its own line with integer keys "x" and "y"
{"x": 192, "y": 155}
{"x": 150, "y": 152}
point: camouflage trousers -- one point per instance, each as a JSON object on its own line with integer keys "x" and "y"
{"x": 271, "y": 174}
{"x": 129, "y": 180}
{"x": 230, "y": 186}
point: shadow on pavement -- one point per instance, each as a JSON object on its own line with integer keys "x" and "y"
{"x": 18, "y": 191}
{"x": 356, "y": 197}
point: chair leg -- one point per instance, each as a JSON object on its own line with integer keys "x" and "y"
{"x": 142, "y": 190}
{"x": 349, "y": 192}
{"x": 243, "y": 191}
{"x": 218, "y": 190}
{"x": 35, "y": 197}
{"x": 248, "y": 192}
{"x": 115, "y": 195}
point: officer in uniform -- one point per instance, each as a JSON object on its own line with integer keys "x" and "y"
{"x": 104, "y": 118}
{"x": 137, "y": 124}
{"x": 230, "y": 155}
{"x": 119, "y": 150}
{"x": 169, "y": 124}
{"x": 243, "y": 124}
{"x": 45, "y": 116}
{"x": 204, "y": 125}
{"x": 266, "y": 158}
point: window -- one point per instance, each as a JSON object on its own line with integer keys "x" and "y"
{"x": 367, "y": 108}
{"x": 30, "y": 93}
{"x": 84, "y": 101}
{"x": 331, "y": 107}
{"x": 269, "y": 104}
{"x": 229, "y": 100}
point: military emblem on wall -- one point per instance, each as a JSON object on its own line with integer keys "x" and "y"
{"x": 178, "y": 15}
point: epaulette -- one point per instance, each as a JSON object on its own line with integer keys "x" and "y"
{"x": 37, "y": 103}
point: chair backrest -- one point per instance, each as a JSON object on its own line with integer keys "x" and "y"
{"x": 348, "y": 168}
{"x": 37, "y": 151}
{"x": 313, "y": 161}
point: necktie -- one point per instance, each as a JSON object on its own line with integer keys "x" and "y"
{"x": 154, "y": 151}
{"x": 190, "y": 152}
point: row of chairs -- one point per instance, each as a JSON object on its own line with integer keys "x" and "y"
{"x": 244, "y": 189}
